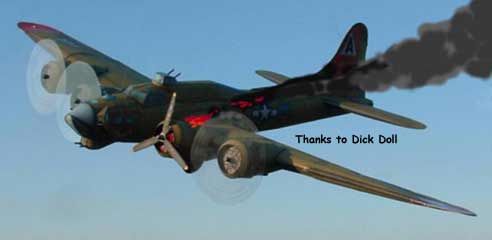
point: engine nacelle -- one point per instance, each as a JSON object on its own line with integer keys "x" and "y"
{"x": 247, "y": 157}
{"x": 51, "y": 75}
{"x": 181, "y": 135}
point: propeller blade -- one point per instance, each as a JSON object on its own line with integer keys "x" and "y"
{"x": 174, "y": 154}
{"x": 162, "y": 138}
{"x": 169, "y": 114}
{"x": 145, "y": 143}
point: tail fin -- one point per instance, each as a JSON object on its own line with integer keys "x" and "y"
{"x": 349, "y": 54}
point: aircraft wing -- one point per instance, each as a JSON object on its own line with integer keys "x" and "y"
{"x": 374, "y": 113}
{"x": 266, "y": 155}
{"x": 111, "y": 73}
{"x": 312, "y": 166}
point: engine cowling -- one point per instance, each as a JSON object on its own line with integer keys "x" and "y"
{"x": 246, "y": 158}
{"x": 181, "y": 135}
{"x": 51, "y": 74}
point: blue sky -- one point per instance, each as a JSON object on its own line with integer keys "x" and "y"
{"x": 52, "y": 189}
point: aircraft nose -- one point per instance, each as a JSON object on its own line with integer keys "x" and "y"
{"x": 82, "y": 119}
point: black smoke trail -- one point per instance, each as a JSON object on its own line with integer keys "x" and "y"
{"x": 442, "y": 51}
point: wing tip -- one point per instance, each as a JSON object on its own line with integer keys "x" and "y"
{"x": 418, "y": 125}
{"x": 460, "y": 210}
{"x": 440, "y": 205}
{"x": 29, "y": 26}
{"x": 471, "y": 214}
{"x": 463, "y": 211}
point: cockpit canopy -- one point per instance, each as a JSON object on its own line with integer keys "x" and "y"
{"x": 149, "y": 95}
{"x": 146, "y": 95}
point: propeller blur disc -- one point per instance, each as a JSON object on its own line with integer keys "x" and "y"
{"x": 78, "y": 84}
{"x": 44, "y": 70}
{"x": 221, "y": 189}
{"x": 209, "y": 177}
{"x": 63, "y": 107}
{"x": 79, "y": 80}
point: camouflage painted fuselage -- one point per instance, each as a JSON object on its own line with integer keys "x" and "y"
{"x": 132, "y": 115}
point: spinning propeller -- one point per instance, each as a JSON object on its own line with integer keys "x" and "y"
{"x": 44, "y": 71}
{"x": 206, "y": 142}
{"x": 210, "y": 178}
{"x": 57, "y": 86}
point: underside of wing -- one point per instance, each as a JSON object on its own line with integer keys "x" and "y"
{"x": 375, "y": 113}
{"x": 111, "y": 73}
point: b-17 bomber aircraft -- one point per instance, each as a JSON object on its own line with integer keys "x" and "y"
{"x": 196, "y": 121}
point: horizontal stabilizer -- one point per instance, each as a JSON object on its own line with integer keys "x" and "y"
{"x": 375, "y": 113}
{"x": 272, "y": 76}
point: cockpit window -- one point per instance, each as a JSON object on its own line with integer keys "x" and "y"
{"x": 147, "y": 96}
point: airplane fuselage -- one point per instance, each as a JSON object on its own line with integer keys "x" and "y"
{"x": 133, "y": 115}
